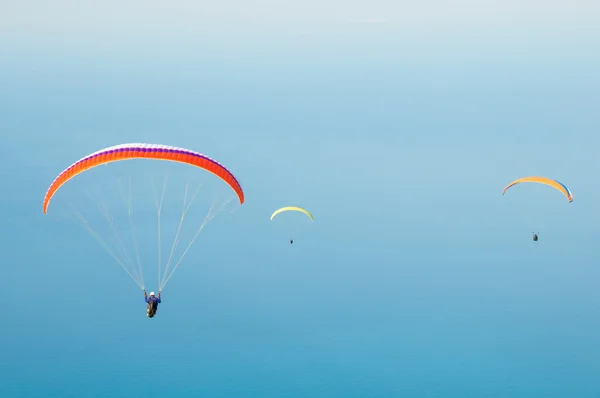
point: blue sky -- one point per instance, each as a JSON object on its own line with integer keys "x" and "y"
{"x": 397, "y": 125}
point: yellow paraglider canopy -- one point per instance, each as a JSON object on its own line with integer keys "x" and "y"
{"x": 292, "y": 208}
{"x": 543, "y": 180}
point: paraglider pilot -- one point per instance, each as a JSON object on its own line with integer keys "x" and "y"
{"x": 153, "y": 302}
{"x": 535, "y": 237}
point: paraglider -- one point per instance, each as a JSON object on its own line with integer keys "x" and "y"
{"x": 151, "y": 152}
{"x": 153, "y": 303}
{"x": 545, "y": 181}
{"x": 292, "y": 208}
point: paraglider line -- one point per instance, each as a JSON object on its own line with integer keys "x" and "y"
{"x": 159, "y": 207}
{"x": 127, "y": 202}
{"x": 208, "y": 217}
{"x": 184, "y": 212}
{"x": 115, "y": 228}
{"x": 106, "y": 216}
{"x": 98, "y": 238}
{"x": 131, "y": 225}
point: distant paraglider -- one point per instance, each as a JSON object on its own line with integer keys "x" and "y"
{"x": 545, "y": 181}
{"x": 292, "y": 208}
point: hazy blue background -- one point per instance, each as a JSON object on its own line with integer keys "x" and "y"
{"x": 396, "y": 123}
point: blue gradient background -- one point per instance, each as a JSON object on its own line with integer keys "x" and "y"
{"x": 397, "y": 124}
